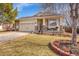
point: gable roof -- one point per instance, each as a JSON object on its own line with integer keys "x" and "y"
{"x": 47, "y": 13}
{"x": 44, "y": 14}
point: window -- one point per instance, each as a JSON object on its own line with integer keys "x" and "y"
{"x": 52, "y": 23}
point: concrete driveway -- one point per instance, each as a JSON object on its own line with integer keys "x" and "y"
{"x": 11, "y": 35}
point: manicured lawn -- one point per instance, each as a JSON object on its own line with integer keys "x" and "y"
{"x": 32, "y": 45}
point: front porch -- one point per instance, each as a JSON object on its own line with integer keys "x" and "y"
{"x": 49, "y": 25}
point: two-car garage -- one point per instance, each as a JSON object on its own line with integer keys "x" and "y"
{"x": 29, "y": 27}
{"x": 27, "y": 24}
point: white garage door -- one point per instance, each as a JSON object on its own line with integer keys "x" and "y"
{"x": 29, "y": 27}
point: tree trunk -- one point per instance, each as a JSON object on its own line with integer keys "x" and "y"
{"x": 74, "y": 16}
{"x": 74, "y": 31}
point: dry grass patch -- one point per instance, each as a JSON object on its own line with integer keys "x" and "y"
{"x": 5, "y": 32}
{"x": 30, "y": 45}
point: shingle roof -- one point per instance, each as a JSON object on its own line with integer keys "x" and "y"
{"x": 45, "y": 14}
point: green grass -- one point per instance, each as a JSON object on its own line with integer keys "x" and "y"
{"x": 30, "y": 45}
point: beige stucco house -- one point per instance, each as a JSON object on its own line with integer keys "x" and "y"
{"x": 41, "y": 23}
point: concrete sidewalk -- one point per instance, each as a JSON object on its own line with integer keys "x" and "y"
{"x": 11, "y": 35}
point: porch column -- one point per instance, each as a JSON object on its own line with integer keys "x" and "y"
{"x": 37, "y": 27}
{"x": 60, "y": 26}
{"x": 45, "y": 24}
{"x": 40, "y": 25}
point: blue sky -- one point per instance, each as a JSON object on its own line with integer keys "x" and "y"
{"x": 26, "y": 9}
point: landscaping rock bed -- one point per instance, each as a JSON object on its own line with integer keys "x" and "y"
{"x": 65, "y": 48}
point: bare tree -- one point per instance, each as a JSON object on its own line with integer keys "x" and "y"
{"x": 74, "y": 17}
{"x": 58, "y": 8}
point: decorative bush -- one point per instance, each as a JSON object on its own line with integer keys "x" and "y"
{"x": 69, "y": 29}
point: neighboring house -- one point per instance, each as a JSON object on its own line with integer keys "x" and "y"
{"x": 6, "y": 27}
{"x": 1, "y": 28}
